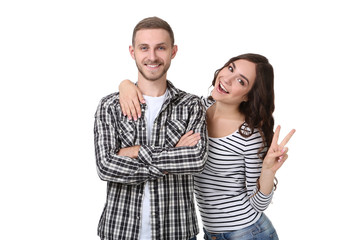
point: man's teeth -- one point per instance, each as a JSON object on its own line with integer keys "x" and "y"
{"x": 223, "y": 88}
{"x": 152, "y": 66}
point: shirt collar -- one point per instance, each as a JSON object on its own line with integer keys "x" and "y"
{"x": 172, "y": 91}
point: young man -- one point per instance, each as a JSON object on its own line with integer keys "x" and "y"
{"x": 147, "y": 169}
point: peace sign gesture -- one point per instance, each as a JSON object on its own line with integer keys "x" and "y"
{"x": 277, "y": 153}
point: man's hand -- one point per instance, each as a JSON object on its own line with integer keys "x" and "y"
{"x": 131, "y": 152}
{"x": 189, "y": 139}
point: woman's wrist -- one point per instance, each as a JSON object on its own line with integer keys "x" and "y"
{"x": 266, "y": 181}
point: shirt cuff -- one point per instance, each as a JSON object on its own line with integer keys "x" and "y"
{"x": 266, "y": 196}
{"x": 145, "y": 155}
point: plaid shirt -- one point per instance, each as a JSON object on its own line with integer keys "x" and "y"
{"x": 173, "y": 215}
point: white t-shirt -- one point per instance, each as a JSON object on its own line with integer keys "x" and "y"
{"x": 154, "y": 105}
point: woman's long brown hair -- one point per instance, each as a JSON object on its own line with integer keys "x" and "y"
{"x": 258, "y": 109}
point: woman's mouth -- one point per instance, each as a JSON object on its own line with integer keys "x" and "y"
{"x": 221, "y": 88}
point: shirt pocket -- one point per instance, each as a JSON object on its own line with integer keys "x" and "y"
{"x": 126, "y": 133}
{"x": 175, "y": 129}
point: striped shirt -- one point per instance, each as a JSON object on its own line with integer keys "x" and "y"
{"x": 173, "y": 213}
{"x": 226, "y": 190}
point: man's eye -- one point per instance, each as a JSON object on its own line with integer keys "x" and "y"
{"x": 161, "y": 48}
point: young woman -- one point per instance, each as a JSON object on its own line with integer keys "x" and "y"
{"x": 237, "y": 183}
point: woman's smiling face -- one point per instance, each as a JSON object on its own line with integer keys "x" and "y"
{"x": 234, "y": 82}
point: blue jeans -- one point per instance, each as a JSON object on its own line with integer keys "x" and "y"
{"x": 193, "y": 238}
{"x": 261, "y": 230}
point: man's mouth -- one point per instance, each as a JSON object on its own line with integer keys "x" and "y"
{"x": 152, "y": 66}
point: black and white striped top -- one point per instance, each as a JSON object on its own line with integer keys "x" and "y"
{"x": 226, "y": 189}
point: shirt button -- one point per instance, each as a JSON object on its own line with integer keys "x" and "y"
{"x": 142, "y": 128}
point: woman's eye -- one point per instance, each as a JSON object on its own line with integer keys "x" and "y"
{"x": 230, "y": 68}
{"x": 241, "y": 82}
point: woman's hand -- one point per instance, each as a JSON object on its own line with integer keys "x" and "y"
{"x": 274, "y": 159}
{"x": 130, "y": 98}
{"x": 189, "y": 139}
{"x": 277, "y": 153}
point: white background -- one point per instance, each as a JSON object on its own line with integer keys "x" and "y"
{"x": 59, "y": 58}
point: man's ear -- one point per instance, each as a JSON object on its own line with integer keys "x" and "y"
{"x": 174, "y": 51}
{"x": 131, "y": 50}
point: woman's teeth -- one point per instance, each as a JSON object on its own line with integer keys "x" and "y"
{"x": 223, "y": 88}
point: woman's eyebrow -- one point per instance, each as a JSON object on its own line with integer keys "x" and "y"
{"x": 240, "y": 73}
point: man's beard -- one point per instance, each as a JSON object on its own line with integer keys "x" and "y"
{"x": 149, "y": 76}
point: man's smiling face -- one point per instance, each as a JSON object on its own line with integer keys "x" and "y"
{"x": 152, "y": 52}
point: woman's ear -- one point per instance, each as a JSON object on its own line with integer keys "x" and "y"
{"x": 245, "y": 98}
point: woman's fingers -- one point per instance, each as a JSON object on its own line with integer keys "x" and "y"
{"x": 275, "y": 138}
{"x": 125, "y": 107}
{"x": 287, "y": 138}
{"x": 133, "y": 109}
{"x": 276, "y": 156}
{"x": 141, "y": 99}
{"x": 130, "y": 98}
{"x": 274, "y": 144}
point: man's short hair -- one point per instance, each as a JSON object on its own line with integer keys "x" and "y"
{"x": 153, "y": 23}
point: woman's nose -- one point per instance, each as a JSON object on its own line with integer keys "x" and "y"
{"x": 227, "y": 80}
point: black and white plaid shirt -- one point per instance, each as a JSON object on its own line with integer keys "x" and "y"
{"x": 173, "y": 215}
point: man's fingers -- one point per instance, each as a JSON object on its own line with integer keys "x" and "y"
{"x": 194, "y": 142}
{"x": 195, "y": 137}
{"x": 189, "y": 139}
{"x": 187, "y": 134}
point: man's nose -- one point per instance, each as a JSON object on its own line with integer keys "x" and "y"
{"x": 152, "y": 55}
